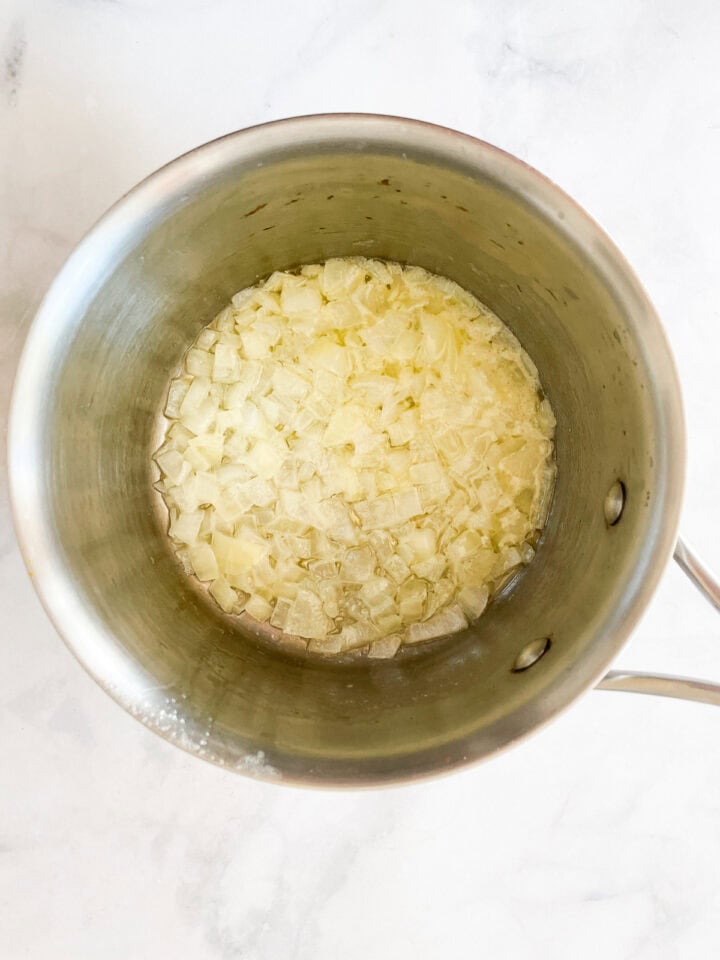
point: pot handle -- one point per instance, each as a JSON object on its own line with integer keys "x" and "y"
{"x": 706, "y": 583}
{"x": 662, "y": 685}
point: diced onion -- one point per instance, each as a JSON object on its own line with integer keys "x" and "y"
{"x": 357, "y": 455}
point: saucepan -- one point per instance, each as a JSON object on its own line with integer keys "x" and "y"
{"x": 159, "y": 266}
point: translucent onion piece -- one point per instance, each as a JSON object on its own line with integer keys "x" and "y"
{"x": 357, "y": 455}
{"x": 221, "y": 591}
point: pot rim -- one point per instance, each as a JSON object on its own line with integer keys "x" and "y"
{"x": 83, "y": 632}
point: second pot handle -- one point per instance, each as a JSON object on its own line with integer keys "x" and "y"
{"x": 706, "y": 583}
{"x": 662, "y": 685}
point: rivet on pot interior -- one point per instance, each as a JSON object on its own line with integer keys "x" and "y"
{"x": 615, "y": 503}
{"x": 531, "y": 653}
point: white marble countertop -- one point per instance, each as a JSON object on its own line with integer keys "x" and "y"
{"x": 598, "y": 838}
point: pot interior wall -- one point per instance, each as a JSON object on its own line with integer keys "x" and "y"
{"x": 158, "y": 286}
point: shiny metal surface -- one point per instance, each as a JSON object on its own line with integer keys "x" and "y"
{"x": 661, "y": 685}
{"x": 531, "y": 653}
{"x": 664, "y": 685}
{"x": 158, "y": 267}
{"x": 696, "y": 570}
{"x": 614, "y": 503}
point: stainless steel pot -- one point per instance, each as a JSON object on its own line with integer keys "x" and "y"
{"x": 158, "y": 267}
